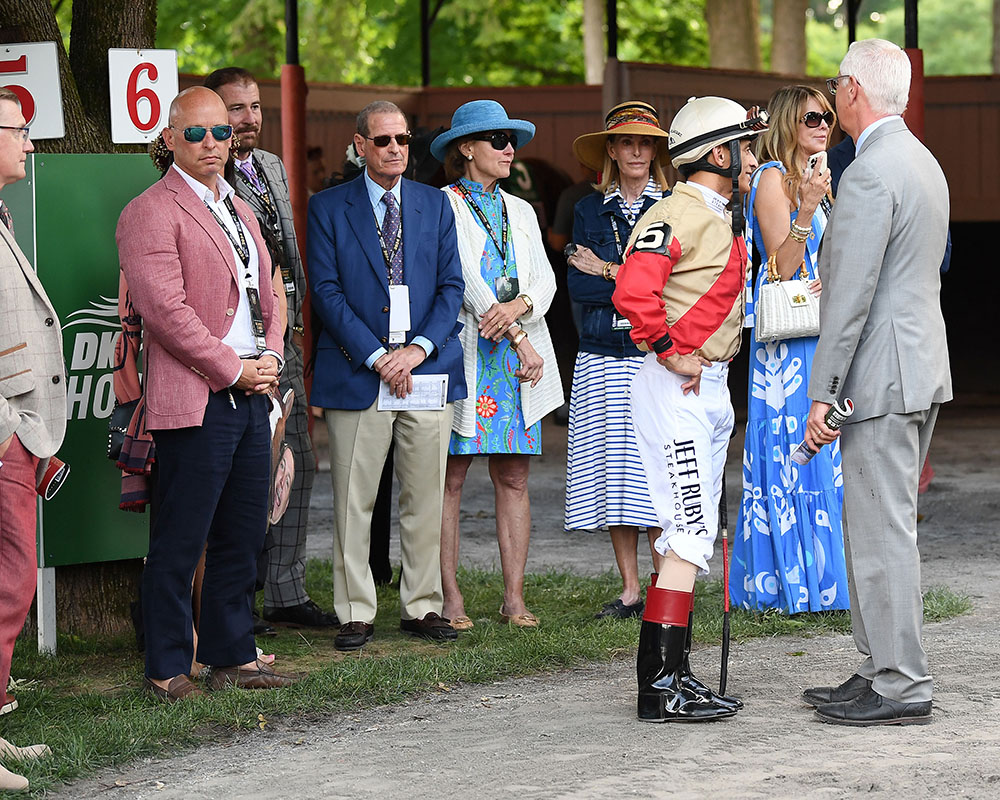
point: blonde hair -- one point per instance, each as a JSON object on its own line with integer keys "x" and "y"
{"x": 780, "y": 142}
{"x": 610, "y": 175}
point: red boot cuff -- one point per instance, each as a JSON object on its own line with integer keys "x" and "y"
{"x": 668, "y": 606}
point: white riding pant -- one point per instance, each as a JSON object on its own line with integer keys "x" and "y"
{"x": 683, "y": 441}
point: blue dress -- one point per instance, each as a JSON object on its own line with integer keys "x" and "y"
{"x": 499, "y": 419}
{"x": 788, "y": 547}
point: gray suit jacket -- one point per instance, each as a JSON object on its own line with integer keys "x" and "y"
{"x": 277, "y": 184}
{"x": 882, "y": 338}
{"x": 32, "y": 371}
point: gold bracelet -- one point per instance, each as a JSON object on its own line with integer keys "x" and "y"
{"x": 607, "y": 271}
{"x": 798, "y": 233}
{"x": 519, "y": 337}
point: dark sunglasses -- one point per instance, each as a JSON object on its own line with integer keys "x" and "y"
{"x": 402, "y": 139}
{"x": 195, "y": 133}
{"x": 498, "y": 139}
{"x": 812, "y": 119}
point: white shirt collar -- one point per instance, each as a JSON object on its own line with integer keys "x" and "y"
{"x": 867, "y": 131}
{"x": 200, "y": 189}
{"x": 713, "y": 199}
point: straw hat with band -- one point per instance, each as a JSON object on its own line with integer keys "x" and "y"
{"x": 632, "y": 118}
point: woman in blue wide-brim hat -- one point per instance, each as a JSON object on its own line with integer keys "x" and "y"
{"x": 510, "y": 365}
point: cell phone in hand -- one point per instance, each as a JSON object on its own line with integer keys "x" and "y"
{"x": 816, "y": 161}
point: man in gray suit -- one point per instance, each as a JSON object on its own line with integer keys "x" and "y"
{"x": 32, "y": 416}
{"x": 882, "y": 344}
{"x": 259, "y": 178}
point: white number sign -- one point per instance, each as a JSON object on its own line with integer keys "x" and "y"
{"x": 142, "y": 84}
{"x": 31, "y": 71}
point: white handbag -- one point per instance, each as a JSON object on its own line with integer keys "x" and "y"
{"x": 785, "y": 309}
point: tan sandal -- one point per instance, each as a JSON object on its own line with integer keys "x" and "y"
{"x": 526, "y": 620}
{"x": 461, "y": 623}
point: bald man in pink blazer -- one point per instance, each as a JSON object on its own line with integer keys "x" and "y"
{"x": 194, "y": 260}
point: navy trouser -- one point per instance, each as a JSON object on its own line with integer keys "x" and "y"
{"x": 212, "y": 487}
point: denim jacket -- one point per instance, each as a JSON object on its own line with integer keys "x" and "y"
{"x": 592, "y": 228}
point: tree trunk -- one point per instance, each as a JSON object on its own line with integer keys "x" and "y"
{"x": 996, "y": 37}
{"x": 104, "y": 24}
{"x": 788, "y": 45}
{"x": 593, "y": 41}
{"x": 733, "y": 35}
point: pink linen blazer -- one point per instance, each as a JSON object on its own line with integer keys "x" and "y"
{"x": 183, "y": 280}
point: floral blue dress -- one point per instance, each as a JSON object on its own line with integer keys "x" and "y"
{"x": 499, "y": 419}
{"x": 788, "y": 548}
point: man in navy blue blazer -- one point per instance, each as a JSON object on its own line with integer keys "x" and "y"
{"x": 382, "y": 248}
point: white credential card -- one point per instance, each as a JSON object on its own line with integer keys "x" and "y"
{"x": 430, "y": 393}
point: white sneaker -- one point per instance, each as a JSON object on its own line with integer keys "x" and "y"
{"x": 11, "y": 782}
{"x": 31, "y": 752}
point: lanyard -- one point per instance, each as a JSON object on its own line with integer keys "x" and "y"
{"x": 240, "y": 246}
{"x": 501, "y": 246}
{"x": 262, "y": 194}
{"x": 618, "y": 238}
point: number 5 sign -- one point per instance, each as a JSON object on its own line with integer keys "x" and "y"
{"x": 142, "y": 84}
{"x": 31, "y": 71}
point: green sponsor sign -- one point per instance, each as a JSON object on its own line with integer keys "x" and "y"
{"x": 65, "y": 214}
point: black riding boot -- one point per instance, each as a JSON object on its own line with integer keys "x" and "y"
{"x": 663, "y": 695}
{"x": 695, "y": 685}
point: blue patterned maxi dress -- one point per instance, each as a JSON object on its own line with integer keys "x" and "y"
{"x": 788, "y": 548}
{"x": 499, "y": 419}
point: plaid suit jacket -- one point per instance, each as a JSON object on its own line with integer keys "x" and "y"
{"x": 32, "y": 370}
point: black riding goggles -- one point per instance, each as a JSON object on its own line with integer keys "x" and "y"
{"x": 812, "y": 119}
{"x": 195, "y": 133}
{"x": 498, "y": 139}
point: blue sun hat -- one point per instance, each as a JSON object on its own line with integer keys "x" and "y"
{"x": 479, "y": 116}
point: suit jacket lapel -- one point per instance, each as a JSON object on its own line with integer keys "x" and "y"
{"x": 22, "y": 262}
{"x": 197, "y": 210}
{"x": 412, "y": 225}
{"x": 362, "y": 221}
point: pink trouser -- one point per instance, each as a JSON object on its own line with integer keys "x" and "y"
{"x": 18, "y": 557}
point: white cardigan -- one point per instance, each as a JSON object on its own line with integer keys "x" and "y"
{"x": 535, "y": 279}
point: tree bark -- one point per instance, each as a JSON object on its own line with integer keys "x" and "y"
{"x": 593, "y": 41}
{"x": 788, "y": 44}
{"x": 996, "y": 37}
{"x": 733, "y": 34}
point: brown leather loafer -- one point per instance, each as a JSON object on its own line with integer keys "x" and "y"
{"x": 179, "y": 688}
{"x": 432, "y": 626}
{"x": 263, "y": 677}
{"x": 354, "y": 635}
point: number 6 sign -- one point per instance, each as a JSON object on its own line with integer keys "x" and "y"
{"x": 31, "y": 71}
{"x": 142, "y": 84}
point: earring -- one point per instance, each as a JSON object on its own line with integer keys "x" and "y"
{"x": 469, "y": 156}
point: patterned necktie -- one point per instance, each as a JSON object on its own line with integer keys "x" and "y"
{"x": 390, "y": 238}
{"x": 6, "y": 218}
{"x": 251, "y": 175}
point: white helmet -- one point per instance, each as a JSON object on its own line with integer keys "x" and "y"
{"x": 705, "y": 122}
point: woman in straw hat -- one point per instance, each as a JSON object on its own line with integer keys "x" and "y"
{"x": 605, "y": 481}
{"x": 510, "y": 365}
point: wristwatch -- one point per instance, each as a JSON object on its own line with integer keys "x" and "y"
{"x": 527, "y": 302}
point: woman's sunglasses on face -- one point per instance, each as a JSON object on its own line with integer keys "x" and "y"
{"x": 195, "y": 133}
{"x": 498, "y": 139}
{"x": 812, "y": 119}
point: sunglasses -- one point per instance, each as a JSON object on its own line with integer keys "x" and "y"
{"x": 498, "y": 139}
{"x": 812, "y": 119}
{"x": 195, "y": 133}
{"x": 22, "y": 130}
{"x": 833, "y": 83}
{"x": 402, "y": 139}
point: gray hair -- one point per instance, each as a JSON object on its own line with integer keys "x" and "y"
{"x": 8, "y": 94}
{"x": 882, "y": 69}
{"x": 376, "y": 107}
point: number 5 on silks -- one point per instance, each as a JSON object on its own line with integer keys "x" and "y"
{"x": 142, "y": 84}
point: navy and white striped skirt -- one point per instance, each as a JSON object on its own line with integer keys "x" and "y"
{"x": 605, "y": 480}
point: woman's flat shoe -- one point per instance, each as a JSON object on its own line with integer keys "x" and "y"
{"x": 618, "y": 610}
{"x": 461, "y": 623}
{"x": 526, "y": 620}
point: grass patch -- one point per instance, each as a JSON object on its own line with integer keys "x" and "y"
{"x": 87, "y": 704}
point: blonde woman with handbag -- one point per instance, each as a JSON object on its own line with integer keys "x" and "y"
{"x": 788, "y": 549}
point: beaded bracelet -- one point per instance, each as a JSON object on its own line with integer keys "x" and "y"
{"x": 798, "y": 233}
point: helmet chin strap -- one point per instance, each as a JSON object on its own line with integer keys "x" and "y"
{"x": 735, "y": 161}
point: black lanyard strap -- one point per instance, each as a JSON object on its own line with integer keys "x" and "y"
{"x": 241, "y": 247}
{"x": 500, "y": 245}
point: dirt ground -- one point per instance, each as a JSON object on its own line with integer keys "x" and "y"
{"x": 574, "y": 734}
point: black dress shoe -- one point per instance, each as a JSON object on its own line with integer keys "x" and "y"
{"x": 306, "y": 615}
{"x": 848, "y": 690}
{"x": 871, "y": 708}
{"x": 618, "y": 610}
{"x": 261, "y": 628}
{"x": 354, "y": 636}
{"x": 432, "y": 626}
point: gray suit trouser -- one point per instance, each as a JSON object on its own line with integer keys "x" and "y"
{"x": 882, "y": 459}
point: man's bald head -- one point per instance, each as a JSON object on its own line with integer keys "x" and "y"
{"x": 192, "y": 100}
{"x": 203, "y": 159}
